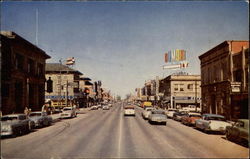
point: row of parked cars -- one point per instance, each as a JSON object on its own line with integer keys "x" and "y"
{"x": 235, "y": 131}
{"x": 18, "y": 124}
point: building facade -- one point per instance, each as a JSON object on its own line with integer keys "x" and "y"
{"x": 65, "y": 84}
{"x": 22, "y": 74}
{"x": 224, "y": 79}
{"x": 181, "y": 90}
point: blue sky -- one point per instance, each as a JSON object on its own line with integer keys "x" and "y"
{"x": 123, "y": 43}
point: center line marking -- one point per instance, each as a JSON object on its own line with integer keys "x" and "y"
{"x": 120, "y": 135}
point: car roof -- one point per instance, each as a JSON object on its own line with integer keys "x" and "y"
{"x": 191, "y": 113}
{"x": 214, "y": 115}
{"x": 12, "y": 115}
{"x": 37, "y": 112}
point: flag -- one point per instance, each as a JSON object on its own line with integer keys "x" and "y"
{"x": 70, "y": 61}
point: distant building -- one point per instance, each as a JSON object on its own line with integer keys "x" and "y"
{"x": 87, "y": 91}
{"x": 181, "y": 90}
{"x": 22, "y": 74}
{"x": 65, "y": 84}
{"x": 224, "y": 79}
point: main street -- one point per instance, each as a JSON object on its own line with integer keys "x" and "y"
{"x": 108, "y": 134}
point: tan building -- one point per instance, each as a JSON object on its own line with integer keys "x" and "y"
{"x": 224, "y": 79}
{"x": 22, "y": 74}
{"x": 65, "y": 84}
{"x": 181, "y": 90}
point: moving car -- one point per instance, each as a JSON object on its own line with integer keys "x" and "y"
{"x": 238, "y": 131}
{"x": 146, "y": 104}
{"x": 146, "y": 112}
{"x": 170, "y": 113}
{"x": 177, "y": 115}
{"x": 94, "y": 107}
{"x": 189, "y": 118}
{"x": 105, "y": 107}
{"x": 15, "y": 124}
{"x": 157, "y": 116}
{"x": 129, "y": 110}
{"x": 40, "y": 119}
{"x": 212, "y": 122}
{"x": 68, "y": 112}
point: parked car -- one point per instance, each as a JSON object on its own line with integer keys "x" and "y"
{"x": 99, "y": 106}
{"x": 189, "y": 118}
{"x": 105, "y": 107}
{"x": 129, "y": 110}
{"x": 93, "y": 107}
{"x": 157, "y": 116}
{"x": 170, "y": 113}
{"x": 177, "y": 115}
{"x": 40, "y": 119}
{"x": 110, "y": 105}
{"x": 146, "y": 112}
{"x": 68, "y": 112}
{"x": 212, "y": 122}
{"x": 15, "y": 124}
{"x": 238, "y": 131}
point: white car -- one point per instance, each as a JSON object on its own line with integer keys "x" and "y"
{"x": 147, "y": 112}
{"x": 212, "y": 122}
{"x": 170, "y": 113}
{"x": 157, "y": 116}
{"x": 129, "y": 110}
{"x": 68, "y": 112}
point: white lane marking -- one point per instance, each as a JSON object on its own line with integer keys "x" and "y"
{"x": 120, "y": 135}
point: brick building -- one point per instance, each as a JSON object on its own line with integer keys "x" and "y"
{"x": 224, "y": 79}
{"x": 22, "y": 74}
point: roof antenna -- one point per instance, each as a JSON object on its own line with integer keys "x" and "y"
{"x": 36, "y": 27}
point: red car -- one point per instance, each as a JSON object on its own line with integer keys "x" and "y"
{"x": 189, "y": 118}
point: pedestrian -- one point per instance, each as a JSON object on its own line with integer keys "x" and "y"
{"x": 26, "y": 111}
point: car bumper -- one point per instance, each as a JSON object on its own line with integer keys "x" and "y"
{"x": 159, "y": 120}
{"x": 6, "y": 133}
{"x": 65, "y": 115}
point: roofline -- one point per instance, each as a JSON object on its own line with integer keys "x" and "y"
{"x": 223, "y": 43}
{"x": 13, "y": 35}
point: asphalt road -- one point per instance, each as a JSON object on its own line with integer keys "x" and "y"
{"x": 108, "y": 134}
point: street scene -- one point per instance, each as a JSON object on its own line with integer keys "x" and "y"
{"x": 108, "y": 134}
{"x": 124, "y": 79}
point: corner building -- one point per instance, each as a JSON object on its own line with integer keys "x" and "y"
{"x": 224, "y": 79}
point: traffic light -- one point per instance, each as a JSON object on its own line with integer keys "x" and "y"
{"x": 49, "y": 85}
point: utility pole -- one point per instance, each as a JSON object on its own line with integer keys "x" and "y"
{"x": 195, "y": 95}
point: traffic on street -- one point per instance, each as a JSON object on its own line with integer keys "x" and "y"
{"x": 112, "y": 134}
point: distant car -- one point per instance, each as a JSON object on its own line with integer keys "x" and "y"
{"x": 157, "y": 116}
{"x": 40, "y": 118}
{"x": 129, "y": 110}
{"x": 238, "y": 131}
{"x": 105, "y": 107}
{"x": 68, "y": 112}
{"x": 146, "y": 112}
{"x": 189, "y": 118}
{"x": 99, "y": 106}
{"x": 170, "y": 113}
{"x": 110, "y": 105}
{"x": 177, "y": 115}
{"x": 94, "y": 107}
{"x": 212, "y": 122}
{"x": 15, "y": 124}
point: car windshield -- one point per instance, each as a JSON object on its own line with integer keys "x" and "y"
{"x": 158, "y": 112}
{"x": 195, "y": 115}
{"x": 216, "y": 118}
{"x": 35, "y": 114}
{"x": 65, "y": 109}
{"x": 128, "y": 107}
{"x": 6, "y": 118}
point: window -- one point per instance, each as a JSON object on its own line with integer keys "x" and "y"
{"x": 190, "y": 87}
{"x": 31, "y": 66}
{"x": 176, "y": 87}
{"x": 5, "y": 90}
{"x": 181, "y": 87}
{"x": 237, "y": 75}
{"x": 40, "y": 71}
{"x": 19, "y": 61}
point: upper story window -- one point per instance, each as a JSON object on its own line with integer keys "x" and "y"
{"x": 190, "y": 87}
{"x": 181, "y": 87}
{"x": 40, "y": 70}
{"x": 176, "y": 87}
{"x": 19, "y": 61}
{"x": 31, "y": 66}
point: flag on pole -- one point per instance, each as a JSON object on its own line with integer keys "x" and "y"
{"x": 70, "y": 61}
